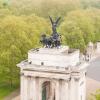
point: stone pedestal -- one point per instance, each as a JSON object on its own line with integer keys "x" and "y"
{"x": 56, "y": 72}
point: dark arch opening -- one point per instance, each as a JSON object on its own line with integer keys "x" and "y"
{"x": 46, "y": 90}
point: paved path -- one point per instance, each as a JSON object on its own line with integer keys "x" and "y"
{"x": 93, "y": 70}
{"x": 93, "y": 76}
{"x": 14, "y": 94}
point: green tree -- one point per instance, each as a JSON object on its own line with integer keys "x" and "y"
{"x": 95, "y": 96}
{"x": 72, "y": 35}
{"x": 17, "y": 36}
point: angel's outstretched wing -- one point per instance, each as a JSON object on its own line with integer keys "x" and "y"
{"x": 58, "y": 20}
{"x": 51, "y": 20}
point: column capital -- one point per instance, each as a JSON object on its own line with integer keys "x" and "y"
{"x": 76, "y": 76}
{"x": 77, "y": 79}
{"x": 69, "y": 79}
{"x": 28, "y": 76}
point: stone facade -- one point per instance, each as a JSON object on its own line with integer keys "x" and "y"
{"x": 53, "y": 74}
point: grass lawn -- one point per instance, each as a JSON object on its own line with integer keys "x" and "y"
{"x": 5, "y": 90}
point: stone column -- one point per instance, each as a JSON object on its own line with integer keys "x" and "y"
{"x": 64, "y": 90}
{"x": 77, "y": 91}
{"x": 22, "y": 86}
{"x": 57, "y": 90}
{"x": 72, "y": 89}
{"x": 33, "y": 89}
{"x": 36, "y": 89}
{"x": 83, "y": 88}
{"x": 39, "y": 89}
{"x": 52, "y": 90}
{"x": 25, "y": 88}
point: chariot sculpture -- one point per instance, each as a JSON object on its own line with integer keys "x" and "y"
{"x": 55, "y": 39}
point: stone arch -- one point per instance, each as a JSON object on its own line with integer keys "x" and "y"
{"x": 47, "y": 91}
